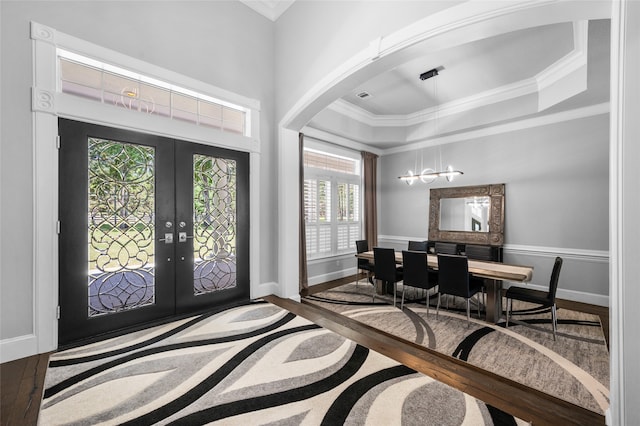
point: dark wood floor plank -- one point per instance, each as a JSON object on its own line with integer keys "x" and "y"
{"x": 10, "y": 380}
{"x": 502, "y": 393}
{"x": 23, "y": 381}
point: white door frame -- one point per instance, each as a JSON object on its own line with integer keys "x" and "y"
{"x": 48, "y": 103}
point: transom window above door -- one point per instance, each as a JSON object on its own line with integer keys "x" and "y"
{"x": 109, "y": 84}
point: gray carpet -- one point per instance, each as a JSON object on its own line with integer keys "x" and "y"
{"x": 252, "y": 365}
{"x": 574, "y": 368}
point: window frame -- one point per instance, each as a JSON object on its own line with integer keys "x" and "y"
{"x": 335, "y": 178}
{"x": 175, "y": 92}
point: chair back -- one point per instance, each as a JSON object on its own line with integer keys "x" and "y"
{"x": 473, "y": 251}
{"x": 446, "y": 248}
{"x": 414, "y": 268}
{"x": 553, "y": 283}
{"x": 453, "y": 275}
{"x": 384, "y": 264}
{"x": 417, "y": 246}
{"x": 361, "y": 247}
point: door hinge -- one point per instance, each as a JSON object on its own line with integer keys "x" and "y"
{"x": 58, "y": 312}
{"x": 58, "y": 141}
{"x": 58, "y": 227}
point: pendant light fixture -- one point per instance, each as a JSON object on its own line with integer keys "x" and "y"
{"x": 429, "y": 175}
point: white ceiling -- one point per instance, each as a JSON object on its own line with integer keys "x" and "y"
{"x": 465, "y": 71}
{"x": 503, "y": 78}
{"x": 513, "y": 76}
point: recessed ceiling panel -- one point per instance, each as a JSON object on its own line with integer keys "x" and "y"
{"x": 465, "y": 71}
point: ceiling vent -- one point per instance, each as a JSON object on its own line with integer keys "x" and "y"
{"x": 363, "y": 95}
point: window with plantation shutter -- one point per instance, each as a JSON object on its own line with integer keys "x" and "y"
{"x": 331, "y": 203}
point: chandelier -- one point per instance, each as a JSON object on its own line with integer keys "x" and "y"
{"x": 429, "y": 175}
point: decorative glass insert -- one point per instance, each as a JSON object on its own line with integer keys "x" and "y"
{"x": 121, "y": 226}
{"x": 91, "y": 79}
{"x": 214, "y": 224}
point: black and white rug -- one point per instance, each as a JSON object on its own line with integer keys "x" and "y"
{"x": 575, "y": 367}
{"x": 253, "y": 365}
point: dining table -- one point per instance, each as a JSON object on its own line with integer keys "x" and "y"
{"x": 493, "y": 274}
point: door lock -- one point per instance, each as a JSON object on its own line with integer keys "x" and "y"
{"x": 168, "y": 238}
{"x": 182, "y": 237}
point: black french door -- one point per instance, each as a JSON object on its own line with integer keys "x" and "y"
{"x": 150, "y": 228}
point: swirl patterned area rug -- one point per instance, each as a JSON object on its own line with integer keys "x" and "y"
{"x": 574, "y": 368}
{"x": 253, "y": 364}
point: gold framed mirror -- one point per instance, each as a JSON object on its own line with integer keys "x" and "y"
{"x": 467, "y": 214}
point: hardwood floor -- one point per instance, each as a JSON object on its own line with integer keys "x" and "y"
{"x": 22, "y": 380}
{"x": 21, "y": 383}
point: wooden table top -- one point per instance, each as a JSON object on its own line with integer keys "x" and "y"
{"x": 479, "y": 268}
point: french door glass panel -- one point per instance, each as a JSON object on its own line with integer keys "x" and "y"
{"x": 214, "y": 222}
{"x": 121, "y": 226}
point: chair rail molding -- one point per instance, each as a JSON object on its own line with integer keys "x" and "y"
{"x": 568, "y": 253}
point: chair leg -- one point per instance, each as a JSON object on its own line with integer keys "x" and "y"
{"x": 358, "y": 272}
{"x": 509, "y": 302}
{"x": 438, "y": 305}
{"x": 427, "y": 302}
{"x": 373, "y": 293}
{"x": 468, "y": 312}
{"x": 402, "y": 302}
{"x": 395, "y": 290}
{"x": 554, "y": 320}
{"x": 478, "y": 299}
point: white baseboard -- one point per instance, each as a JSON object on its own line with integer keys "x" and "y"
{"x": 318, "y": 279}
{"x": 18, "y": 347}
{"x": 265, "y": 289}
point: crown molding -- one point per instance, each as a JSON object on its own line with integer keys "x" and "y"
{"x": 571, "y": 62}
{"x": 271, "y": 9}
{"x": 560, "y": 69}
{"x": 351, "y": 144}
{"x": 526, "y": 123}
{"x": 490, "y": 130}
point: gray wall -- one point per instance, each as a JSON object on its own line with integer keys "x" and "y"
{"x": 557, "y": 196}
{"x": 224, "y": 44}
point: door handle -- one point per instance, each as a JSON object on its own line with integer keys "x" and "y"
{"x": 182, "y": 237}
{"x": 168, "y": 238}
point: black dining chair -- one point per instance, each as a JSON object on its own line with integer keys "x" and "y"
{"x": 479, "y": 252}
{"x": 446, "y": 248}
{"x": 417, "y": 246}
{"x": 474, "y": 251}
{"x": 363, "y": 264}
{"x": 545, "y": 300}
{"x": 416, "y": 273}
{"x": 385, "y": 270}
{"x": 453, "y": 279}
